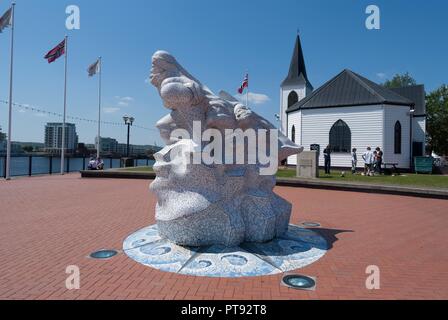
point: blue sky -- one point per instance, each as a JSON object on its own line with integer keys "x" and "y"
{"x": 216, "y": 41}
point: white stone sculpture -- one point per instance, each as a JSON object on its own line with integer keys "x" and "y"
{"x": 206, "y": 204}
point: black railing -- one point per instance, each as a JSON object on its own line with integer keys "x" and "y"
{"x": 30, "y": 165}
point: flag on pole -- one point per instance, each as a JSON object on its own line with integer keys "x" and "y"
{"x": 56, "y": 52}
{"x": 244, "y": 85}
{"x": 6, "y": 20}
{"x": 94, "y": 68}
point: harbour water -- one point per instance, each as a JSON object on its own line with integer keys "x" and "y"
{"x": 20, "y": 166}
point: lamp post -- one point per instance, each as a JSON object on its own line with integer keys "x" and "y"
{"x": 278, "y": 118}
{"x": 128, "y": 121}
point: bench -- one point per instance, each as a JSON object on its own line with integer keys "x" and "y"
{"x": 394, "y": 169}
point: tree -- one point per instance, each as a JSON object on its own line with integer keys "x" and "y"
{"x": 437, "y": 120}
{"x": 82, "y": 149}
{"x": 28, "y": 149}
{"x": 149, "y": 153}
{"x": 2, "y": 135}
{"x": 400, "y": 80}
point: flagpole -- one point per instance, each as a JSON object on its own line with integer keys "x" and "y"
{"x": 8, "y": 152}
{"x": 65, "y": 108}
{"x": 99, "y": 106}
{"x": 247, "y": 92}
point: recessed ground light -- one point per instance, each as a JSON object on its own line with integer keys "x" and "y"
{"x": 299, "y": 282}
{"x": 311, "y": 224}
{"x": 103, "y": 254}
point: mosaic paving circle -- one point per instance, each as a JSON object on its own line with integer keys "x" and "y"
{"x": 298, "y": 248}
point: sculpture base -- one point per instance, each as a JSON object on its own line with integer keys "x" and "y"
{"x": 296, "y": 249}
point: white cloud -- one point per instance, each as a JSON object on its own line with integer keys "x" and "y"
{"x": 381, "y": 75}
{"x": 111, "y": 110}
{"x": 124, "y": 101}
{"x": 254, "y": 98}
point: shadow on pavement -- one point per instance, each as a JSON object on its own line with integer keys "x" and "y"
{"x": 329, "y": 234}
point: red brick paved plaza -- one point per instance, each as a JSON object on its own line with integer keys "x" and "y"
{"x": 49, "y": 223}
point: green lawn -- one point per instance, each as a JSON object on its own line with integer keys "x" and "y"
{"x": 408, "y": 179}
{"x": 415, "y": 180}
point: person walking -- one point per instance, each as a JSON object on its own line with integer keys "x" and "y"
{"x": 379, "y": 160}
{"x": 368, "y": 161}
{"x": 327, "y": 157}
{"x": 373, "y": 171}
{"x": 354, "y": 160}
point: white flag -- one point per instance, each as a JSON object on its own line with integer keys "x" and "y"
{"x": 6, "y": 20}
{"x": 94, "y": 68}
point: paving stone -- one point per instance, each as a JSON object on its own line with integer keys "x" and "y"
{"x": 48, "y": 223}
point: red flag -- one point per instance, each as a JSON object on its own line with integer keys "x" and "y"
{"x": 56, "y": 52}
{"x": 244, "y": 85}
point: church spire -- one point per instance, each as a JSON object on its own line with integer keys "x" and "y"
{"x": 297, "y": 69}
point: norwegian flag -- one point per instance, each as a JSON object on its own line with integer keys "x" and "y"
{"x": 56, "y": 52}
{"x": 244, "y": 85}
{"x": 6, "y": 20}
{"x": 94, "y": 68}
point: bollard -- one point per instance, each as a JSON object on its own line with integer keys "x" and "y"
{"x": 30, "y": 166}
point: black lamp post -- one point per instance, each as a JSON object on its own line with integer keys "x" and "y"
{"x": 128, "y": 121}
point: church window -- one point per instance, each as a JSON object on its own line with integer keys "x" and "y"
{"x": 293, "y": 98}
{"x": 397, "y": 138}
{"x": 340, "y": 137}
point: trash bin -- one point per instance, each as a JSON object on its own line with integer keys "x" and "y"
{"x": 127, "y": 162}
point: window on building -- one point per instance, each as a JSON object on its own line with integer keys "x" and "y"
{"x": 340, "y": 137}
{"x": 293, "y": 98}
{"x": 293, "y": 134}
{"x": 397, "y": 138}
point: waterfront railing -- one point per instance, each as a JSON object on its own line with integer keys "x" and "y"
{"x": 31, "y": 165}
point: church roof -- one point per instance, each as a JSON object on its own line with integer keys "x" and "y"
{"x": 297, "y": 70}
{"x": 417, "y": 95}
{"x": 350, "y": 89}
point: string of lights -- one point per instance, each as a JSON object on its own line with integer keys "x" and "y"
{"x": 74, "y": 118}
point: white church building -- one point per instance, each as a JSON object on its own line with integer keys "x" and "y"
{"x": 350, "y": 111}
